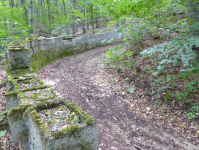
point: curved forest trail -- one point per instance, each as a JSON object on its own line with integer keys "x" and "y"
{"x": 84, "y": 80}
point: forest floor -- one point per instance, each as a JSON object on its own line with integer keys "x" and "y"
{"x": 124, "y": 121}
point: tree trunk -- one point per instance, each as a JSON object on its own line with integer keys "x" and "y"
{"x": 74, "y": 25}
{"x": 96, "y": 21}
{"x": 11, "y": 3}
{"x": 193, "y": 14}
{"x": 49, "y": 23}
{"x": 44, "y": 15}
{"x": 92, "y": 19}
{"x": 40, "y": 14}
{"x": 82, "y": 23}
{"x": 30, "y": 17}
{"x": 86, "y": 23}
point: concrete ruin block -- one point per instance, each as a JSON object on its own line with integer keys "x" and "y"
{"x": 59, "y": 44}
{"x": 41, "y": 41}
{"x": 24, "y": 82}
{"x": 18, "y": 57}
{"x": 91, "y": 36}
{"x": 82, "y": 41}
{"x": 47, "y": 41}
{"x": 43, "y": 47}
{"x": 60, "y": 39}
{"x": 101, "y": 37}
{"x": 34, "y": 43}
{"x": 93, "y": 39}
{"x": 94, "y": 35}
{"x": 89, "y": 41}
{"x": 65, "y": 42}
{"x": 52, "y": 40}
{"x": 27, "y": 44}
{"x": 31, "y": 52}
{"x": 19, "y": 129}
{"x": 76, "y": 48}
{"x": 57, "y": 39}
{"x": 61, "y": 126}
{"x": 12, "y": 100}
{"x": 26, "y": 98}
{"x": 49, "y": 46}
{"x": 36, "y": 49}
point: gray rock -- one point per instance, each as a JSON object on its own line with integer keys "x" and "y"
{"x": 131, "y": 89}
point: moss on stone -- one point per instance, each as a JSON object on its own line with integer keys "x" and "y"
{"x": 28, "y": 89}
{"x": 48, "y": 104}
{"x": 19, "y": 72}
{"x": 42, "y": 58}
{"x": 17, "y": 112}
{"x": 36, "y": 88}
{"x": 13, "y": 92}
{"x": 17, "y": 46}
{"x": 68, "y": 131}
{"x": 86, "y": 118}
{"x": 41, "y": 125}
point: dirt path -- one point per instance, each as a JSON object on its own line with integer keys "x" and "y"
{"x": 83, "y": 80}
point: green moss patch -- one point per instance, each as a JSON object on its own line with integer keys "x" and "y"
{"x": 19, "y": 72}
{"x": 28, "y": 89}
{"x": 58, "y": 118}
{"x": 17, "y": 46}
{"x": 17, "y": 112}
{"x": 29, "y": 82}
{"x": 42, "y": 58}
{"x": 37, "y": 95}
{"x": 83, "y": 116}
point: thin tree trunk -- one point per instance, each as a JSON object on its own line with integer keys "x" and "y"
{"x": 11, "y": 3}
{"x": 36, "y": 15}
{"x": 49, "y": 23}
{"x": 30, "y": 17}
{"x": 97, "y": 23}
{"x": 40, "y": 14}
{"x": 74, "y": 24}
{"x": 44, "y": 15}
{"x": 92, "y": 18}
{"x": 82, "y": 23}
{"x": 65, "y": 14}
{"x": 86, "y": 24}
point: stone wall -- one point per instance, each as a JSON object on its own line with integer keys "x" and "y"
{"x": 45, "y": 50}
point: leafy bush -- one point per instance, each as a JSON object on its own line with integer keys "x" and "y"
{"x": 177, "y": 53}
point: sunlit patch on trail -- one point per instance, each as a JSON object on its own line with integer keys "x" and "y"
{"x": 52, "y": 83}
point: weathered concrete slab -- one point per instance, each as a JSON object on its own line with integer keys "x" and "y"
{"x": 18, "y": 56}
{"x": 66, "y": 127}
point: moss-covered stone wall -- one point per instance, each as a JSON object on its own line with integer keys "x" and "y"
{"x": 45, "y": 50}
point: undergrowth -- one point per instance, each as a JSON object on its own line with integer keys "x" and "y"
{"x": 170, "y": 67}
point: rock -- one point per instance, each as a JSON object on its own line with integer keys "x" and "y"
{"x": 132, "y": 105}
{"x": 148, "y": 109}
{"x": 131, "y": 89}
